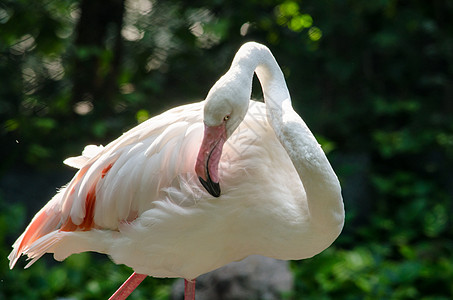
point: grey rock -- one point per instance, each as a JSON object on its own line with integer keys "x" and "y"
{"x": 255, "y": 277}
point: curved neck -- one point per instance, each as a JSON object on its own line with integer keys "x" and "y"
{"x": 318, "y": 178}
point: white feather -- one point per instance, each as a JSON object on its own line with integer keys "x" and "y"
{"x": 89, "y": 152}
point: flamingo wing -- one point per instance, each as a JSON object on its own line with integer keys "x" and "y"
{"x": 116, "y": 183}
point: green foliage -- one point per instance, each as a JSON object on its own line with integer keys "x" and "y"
{"x": 376, "y": 271}
{"x": 372, "y": 79}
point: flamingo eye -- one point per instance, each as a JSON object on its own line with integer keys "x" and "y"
{"x": 226, "y": 118}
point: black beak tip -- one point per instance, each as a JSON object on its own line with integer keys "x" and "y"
{"x": 213, "y": 188}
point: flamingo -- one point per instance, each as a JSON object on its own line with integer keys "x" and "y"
{"x": 198, "y": 186}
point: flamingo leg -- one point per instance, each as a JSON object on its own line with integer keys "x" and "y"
{"x": 189, "y": 289}
{"x": 128, "y": 286}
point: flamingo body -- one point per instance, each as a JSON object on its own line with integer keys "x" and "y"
{"x": 139, "y": 199}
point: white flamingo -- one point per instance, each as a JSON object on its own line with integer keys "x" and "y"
{"x": 151, "y": 199}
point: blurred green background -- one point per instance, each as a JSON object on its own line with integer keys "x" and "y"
{"x": 372, "y": 79}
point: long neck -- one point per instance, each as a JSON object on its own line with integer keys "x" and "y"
{"x": 318, "y": 178}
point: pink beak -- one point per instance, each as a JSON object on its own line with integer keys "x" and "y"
{"x": 207, "y": 166}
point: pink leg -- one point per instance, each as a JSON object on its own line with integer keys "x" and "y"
{"x": 128, "y": 286}
{"x": 189, "y": 289}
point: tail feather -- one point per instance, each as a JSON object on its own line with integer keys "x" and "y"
{"x": 45, "y": 221}
{"x": 41, "y": 246}
{"x": 14, "y": 255}
{"x": 71, "y": 209}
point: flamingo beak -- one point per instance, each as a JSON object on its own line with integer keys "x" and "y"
{"x": 207, "y": 165}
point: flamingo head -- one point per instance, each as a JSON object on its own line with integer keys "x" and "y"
{"x": 225, "y": 108}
